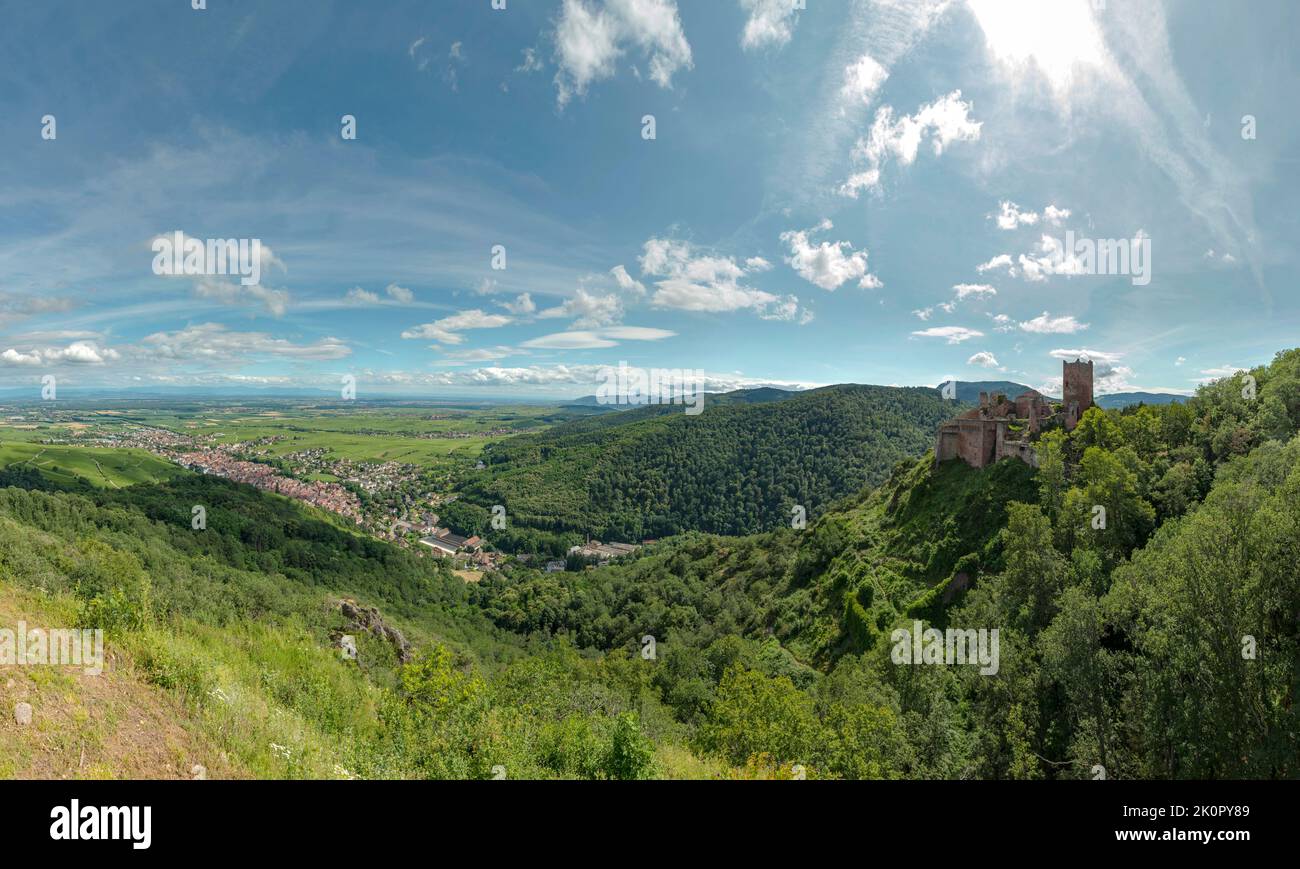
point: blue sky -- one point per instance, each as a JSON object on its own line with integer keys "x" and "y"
{"x": 870, "y": 191}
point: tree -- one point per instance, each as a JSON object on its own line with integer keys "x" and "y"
{"x": 1035, "y": 572}
{"x": 1074, "y": 658}
{"x": 631, "y": 756}
{"x": 754, "y": 714}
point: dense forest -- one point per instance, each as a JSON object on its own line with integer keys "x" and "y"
{"x": 740, "y": 467}
{"x": 1162, "y": 641}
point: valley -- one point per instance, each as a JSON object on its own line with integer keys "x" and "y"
{"x": 770, "y": 642}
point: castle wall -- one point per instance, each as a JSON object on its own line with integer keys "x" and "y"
{"x": 981, "y": 436}
{"x": 974, "y": 441}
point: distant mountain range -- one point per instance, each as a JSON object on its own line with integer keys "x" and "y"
{"x": 968, "y": 392}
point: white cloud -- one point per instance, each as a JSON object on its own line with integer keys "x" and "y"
{"x": 944, "y": 121}
{"x": 1051, "y": 259}
{"x": 1055, "y": 216}
{"x": 1049, "y": 325}
{"x": 1010, "y": 216}
{"x": 220, "y": 279}
{"x": 276, "y": 302}
{"x": 1224, "y": 258}
{"x": 1108, "y": 375}
{"x": 14, "y": 307}
{"x": 962, "y": 292}
{"x": 213, "y": 342}
{"x": 662, "y": 256}
{"x": 1048, "y": 258}
{"x": 359, "y": 296}
{"x": 597, "y": 339}
{"x": 17, "y": 358}
{"x": 1002, "y": 323}
{"x": 578, "y": 340}
{"x": 401, "y": 295}
{"x": 1001, "y": 261}
{"x": 979, "y": 291}
{"x": 588, "y": 309}
{"x": 954, "y": 334}
{"x": 1120, "y": 64}
{"x": 771, "y": 22}
{"x": 590, "y": 37}
{"x": 786, "y": 309}
{"x": 521, "y": 306}
{"x": 705, "y": 283}
{"x": 983, "y": 359}
{"x": 533, "y": 376}
{"x": 446, "y": 330}
{"x": 626, "y": 282}
{"x": 455, "y": 60}
{"x": 862, "y": 80}
{"x": 531, "y": 63}
{"x": 1222, "y": 371}
{"x": 636, "y": 333}
{"x": 1057, "y": 40}
{"x": 81, "y": 353}
{"x": 421, "y": 59}
{"x": 829, "y": 265}
{"x": 1097, "y": 356}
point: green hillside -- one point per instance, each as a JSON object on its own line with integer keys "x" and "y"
{"x": 739, "y": 467}
{"x": 1161, "y": 643}
{"x": 1118, "y": 640}
{"x": 103, "y": 468}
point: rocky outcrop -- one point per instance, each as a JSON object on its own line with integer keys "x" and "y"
{"x": 367, "y": 619}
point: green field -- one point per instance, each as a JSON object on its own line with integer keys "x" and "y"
{"x": 102, "y": 467}
{"x": 304, "y": 435}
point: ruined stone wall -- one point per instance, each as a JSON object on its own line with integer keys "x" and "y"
{"x": 982, "y": 436}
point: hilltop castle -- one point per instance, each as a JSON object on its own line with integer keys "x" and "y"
{"x": 1000, "y": 429}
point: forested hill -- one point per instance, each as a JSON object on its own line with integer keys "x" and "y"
{"x": 1159, "y": 642}
{"x": 739, "y": 467}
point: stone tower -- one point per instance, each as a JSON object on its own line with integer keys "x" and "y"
{"x": 1076, "y": 390}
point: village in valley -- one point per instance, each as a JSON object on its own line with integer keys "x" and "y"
{"x": 395, "y": 501}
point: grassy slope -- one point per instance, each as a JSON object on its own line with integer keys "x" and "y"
{"x": 113, "y": 725}
{"x": 893, "y": 551}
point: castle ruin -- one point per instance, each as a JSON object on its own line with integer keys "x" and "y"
{"x": 1000, "y": 428}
